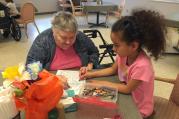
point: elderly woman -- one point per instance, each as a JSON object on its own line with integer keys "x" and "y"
{"x": 63, "y": 46}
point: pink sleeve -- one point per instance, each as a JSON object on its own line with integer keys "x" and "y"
{"x": 143, "y": 73}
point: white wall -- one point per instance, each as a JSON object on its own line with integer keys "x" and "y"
{"x": 170, "y": 10}
{"x": 41, "y": 5}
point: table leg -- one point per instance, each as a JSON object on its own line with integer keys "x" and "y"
{"x": 97, "y": 18}
{"x": 103, "y": 24}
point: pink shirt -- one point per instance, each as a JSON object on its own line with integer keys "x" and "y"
{"x": 65, "y": 59}
{"x": 142, "y": 70}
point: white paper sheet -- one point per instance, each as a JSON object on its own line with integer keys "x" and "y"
{"x": 73, "y": 79}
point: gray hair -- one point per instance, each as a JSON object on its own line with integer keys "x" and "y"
{"x": 65, "y": 21}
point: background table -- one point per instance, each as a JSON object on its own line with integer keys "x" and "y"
{"x": 97, "y": 8}
{"x": 175, "y": 24}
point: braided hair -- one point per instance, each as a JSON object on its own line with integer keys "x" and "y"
{"x": 145, "y": 27}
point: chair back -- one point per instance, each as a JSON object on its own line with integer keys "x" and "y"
{"x": 107, "y": 48}
{"x": 27, "y": 13}
{"x": 72, "y": 6}
{"x": 174, "y": 97}
{"x": 77, "y": 9}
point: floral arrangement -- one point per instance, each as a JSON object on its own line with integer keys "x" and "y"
{"x": 22, "y": 72}
{"x": 35, "y": 90}
{"x": 16, "y": 76}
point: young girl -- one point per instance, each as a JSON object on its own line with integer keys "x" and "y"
{"x": 130, "y": 36}
{"x": 13, "y": 10}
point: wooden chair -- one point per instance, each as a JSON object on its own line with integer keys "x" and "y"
{"x": 27, "y": 13}
{"x": 77, "y": 10}
{"x": 167, "y": 109}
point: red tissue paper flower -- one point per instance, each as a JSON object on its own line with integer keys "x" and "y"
{"x": 41, "y": 96}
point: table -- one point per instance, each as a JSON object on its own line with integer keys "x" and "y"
{"x": 175, "y": 24}
{"x": 126, "y": 107}
{"x": 97, "y": 8}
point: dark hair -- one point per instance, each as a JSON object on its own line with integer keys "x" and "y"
{"x": 145, "y": 27}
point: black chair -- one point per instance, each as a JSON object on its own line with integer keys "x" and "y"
{"x": 8, "y": 24}
{"x": 108, "y": 52}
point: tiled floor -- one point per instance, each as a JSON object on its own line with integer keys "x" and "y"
{"x": 13, "y": 52}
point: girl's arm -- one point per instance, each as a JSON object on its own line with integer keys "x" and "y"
{"x": 103, "y": 72}
{"x": 127, "y": 89}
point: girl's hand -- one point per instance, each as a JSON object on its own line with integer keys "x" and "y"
{"x": 63, "y": 79}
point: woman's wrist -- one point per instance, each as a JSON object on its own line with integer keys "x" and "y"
{"x": 90, "y": 66}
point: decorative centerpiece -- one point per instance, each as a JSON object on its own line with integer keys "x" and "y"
{"x": 34, "y": 90}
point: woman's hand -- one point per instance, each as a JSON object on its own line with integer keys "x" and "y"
{"x": 84, "y": 71}
{"x": 90, "y": 66}
{"x": 63, "y": 79}
{"x": 83, "y": 74}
